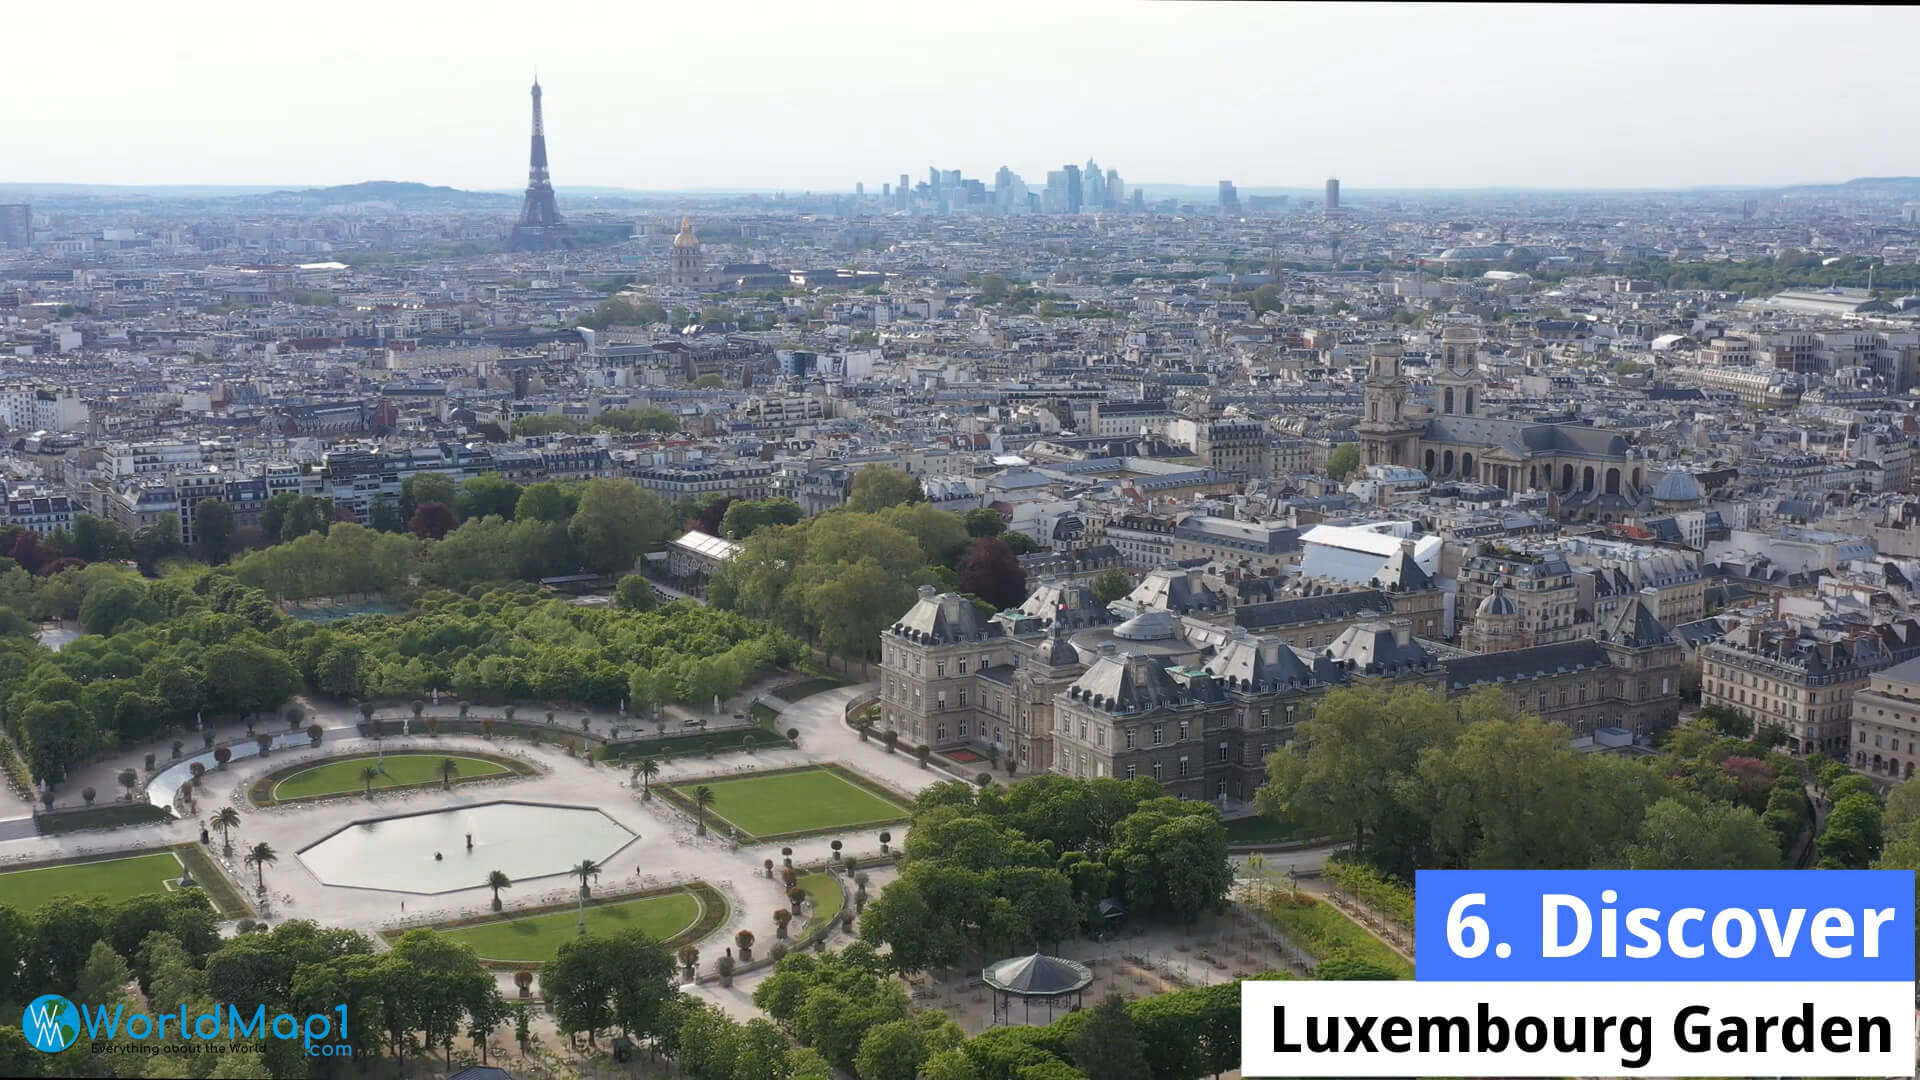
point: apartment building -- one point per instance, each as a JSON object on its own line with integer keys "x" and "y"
{"x": 1539, "y": 585}
{"x": 1801, "y": 678}
{"x": 1886, "y": 722}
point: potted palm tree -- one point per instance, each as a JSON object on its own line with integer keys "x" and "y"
{"x": 584, "y": 870}
{"x": 702, "y": 798}
{"x": 448, "y": 769}
{"x": 524, "y": 980}
{"x": 646, "y": 771}
{"x": 227, "y": 820}
{"x": 497, "y": 880}
{"x": 368, "y": 775}
{"x": 261, "y": 856}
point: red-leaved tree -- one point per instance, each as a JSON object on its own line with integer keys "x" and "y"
{"x": 433, "y": 520}
{"x": 991, "y": 571}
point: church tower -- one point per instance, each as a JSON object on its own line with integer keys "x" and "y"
{"x": 1457, "y": 384}
{"x": 688, "y": 268}
{"x": 1387, "y": 436}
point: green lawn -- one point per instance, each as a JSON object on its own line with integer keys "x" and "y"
{"x": 401, "y": 770}
{"x": 112, "y": 880}
{"x": 824, "y": 897}
{"x": 535, "y": 938}
{"x": 797, "y": 801}
{"x": 1325, "y": 931}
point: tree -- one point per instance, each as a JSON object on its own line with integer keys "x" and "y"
{"x": 941, "y": 536}
{"x": 890, "y": 1051}
{"x": 448, "y": 769}
{"x": 213, "y": 524}
{"x": 488, "y": 494}
{"x": 227, "y": 820}
{"x": 646, "y": 770}
{"x": 108, "y": 606}
{"x": 744, "y": 518}
{"x": 104, "y": 978}
{"x": 877, "y": 487}
{"x": 1344, "y": 461}
{"x": 368, "y": 774}
{"x": 984, "y": 521}
{"x": 635, "y": 593}
{"x": 1021, "y": 543}
{"x": 1902, "y": 808}
{"x": 1362, "y": 744}
{"x": 1852, "y": 837}
{"x": 1729, "y": 722}
{"x": 426, "y": 487}
{"x": 545, "y": 501}
{"x": 1488, "y": 798}
{"x": 1111, "y": 585}
{"x": 246, "y": 677}
{"x": 617, "y": 520}
{"x": 1173, "y": 855}
{"x": 1677, "y": 836}
{"x": 993, "y": 288}
{"x": 432, "y": 521}
{"x": 950, "y": 1065}
{"x": 703, "y": 797}
{"x": 1108, "y": 1045}
{"x": 497, "y": 880}
{"x": 585, "y": 869}
{"x": 384, "y": 515}
{"x": 261, "y": 856}
{"x": 992, "y": 572}
{"x": 158, "y": 541}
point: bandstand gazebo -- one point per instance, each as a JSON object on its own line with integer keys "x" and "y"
{"x": 1027, "y": 979}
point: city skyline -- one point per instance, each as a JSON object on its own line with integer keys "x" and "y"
{"x": 1031, "y": 89}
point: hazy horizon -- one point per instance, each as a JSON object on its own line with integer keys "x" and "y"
{"x": 752, "y": 96}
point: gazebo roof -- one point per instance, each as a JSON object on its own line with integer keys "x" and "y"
{"x": 1038, "y": 976}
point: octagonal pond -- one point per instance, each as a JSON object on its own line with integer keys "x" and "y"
{"x": 524, "y": 840}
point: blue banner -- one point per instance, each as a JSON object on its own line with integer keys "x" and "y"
{"x": 1664, "y": 925}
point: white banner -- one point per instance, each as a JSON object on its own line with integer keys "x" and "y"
{"x": 1577, "y": 1029}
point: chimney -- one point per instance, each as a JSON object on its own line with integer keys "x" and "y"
{"x": 1402, "y": 633}
{"x": 927, "y": 592}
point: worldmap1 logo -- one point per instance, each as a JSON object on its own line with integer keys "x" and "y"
{"x": 50, "y": 1023}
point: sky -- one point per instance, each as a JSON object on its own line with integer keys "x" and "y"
{"x": 815, "y": 96}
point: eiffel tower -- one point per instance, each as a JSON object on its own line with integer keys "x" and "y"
{"x": 541, "y": 227}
